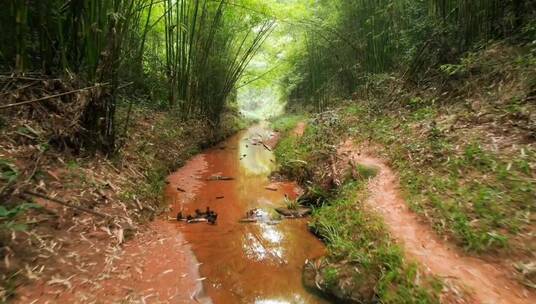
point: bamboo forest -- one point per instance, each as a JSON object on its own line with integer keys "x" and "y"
{"x": 268, "y": 151}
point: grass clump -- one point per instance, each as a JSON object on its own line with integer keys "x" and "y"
{"x": 291, "y": 204}
{"x": 366, "y": 172}
{"x": 362, "y": 254}
{"x": 292, "y": 156}
{"x": 286, "y": 123}
{"x": 479, "y": 197}
{"x": 306, "y": 158}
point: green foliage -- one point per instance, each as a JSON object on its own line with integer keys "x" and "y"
{"x": 366, "y": 172}
{"x": 286, "y": 123}
{"x": 291, "y": 204}
{"x": 208, "y": 46}
{"x": 8, "y": 216}
{"x": 475, "y": 195}
{"x": 8, "y": 171}
{"x": 343, "y": 42}
{"x": 70, "y": 36}
{"x": 73, "y": 165}
{"x": 371, "y": 250}
{"x": 185, "y": 54}
{"x": 331, "y": 276}
{"x": 292, "y": 157}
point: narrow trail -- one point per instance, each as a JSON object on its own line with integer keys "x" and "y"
{"x": 487, "y": 283}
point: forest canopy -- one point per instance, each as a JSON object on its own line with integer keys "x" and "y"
{"x": 195, "y": 55}
{"x": 185, "y": 54}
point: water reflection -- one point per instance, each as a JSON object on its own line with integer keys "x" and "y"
{"x": 271, "y": 234}
{"x": 255, "y": 158}
{"x": 254, "y": 262}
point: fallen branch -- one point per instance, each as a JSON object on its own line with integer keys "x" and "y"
{"x": 24, "y": 78}
{"x": 57, "y": 201}
{"x": 266, "y": 147}
{"x": 49, "y": 97}
{"x": 21, "y": 88}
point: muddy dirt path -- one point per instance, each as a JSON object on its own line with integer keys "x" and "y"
{"x": 486, "y": 282}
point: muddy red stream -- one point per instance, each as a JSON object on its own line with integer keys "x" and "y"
{"x": 257, "y": 262}
{"x": 178, "y": 262}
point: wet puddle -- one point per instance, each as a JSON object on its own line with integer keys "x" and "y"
{"x": 256, "y": 262}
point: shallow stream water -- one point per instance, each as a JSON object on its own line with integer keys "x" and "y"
{"x": 257, "y": 262}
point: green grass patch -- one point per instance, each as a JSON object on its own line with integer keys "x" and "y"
{"x": 300, "y": 158}
{"x": 480, "y": 198}
{"x": 366, "y": 172}
{"x": 286, "y": 123}
{"x": 358, "y": 239}
{"x": 292, "y": 157}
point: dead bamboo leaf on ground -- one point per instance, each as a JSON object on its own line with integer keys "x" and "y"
{"x": 59, "y": 281}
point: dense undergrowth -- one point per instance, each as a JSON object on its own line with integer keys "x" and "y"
{"x": 463, "y": 149}
{"x": 363, "y": 263}
{"x": 126, "y": 187}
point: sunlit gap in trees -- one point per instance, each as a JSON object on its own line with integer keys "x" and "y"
{"x": 260, "y": 93}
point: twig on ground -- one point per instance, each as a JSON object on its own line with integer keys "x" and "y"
{"x": 57, "y": 201}
{"x": 49, "y": 97}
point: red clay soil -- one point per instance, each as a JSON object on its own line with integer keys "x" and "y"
{"x": 299, "y": 129}
{"x": 157, "y": 267}
{"x": 486, "y": 282}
